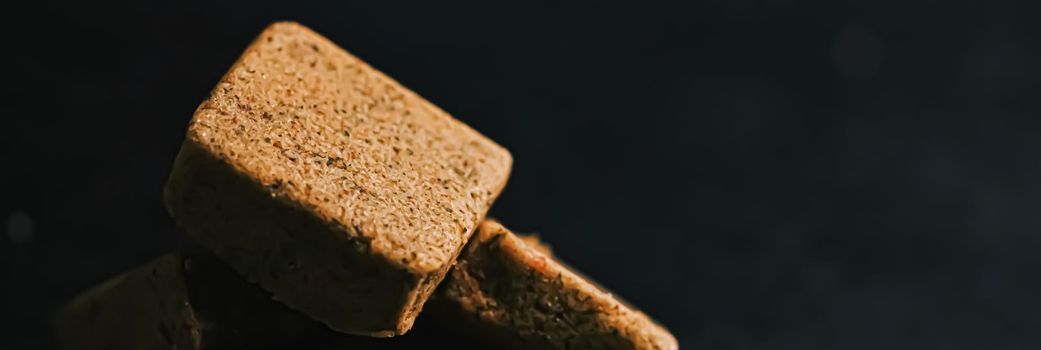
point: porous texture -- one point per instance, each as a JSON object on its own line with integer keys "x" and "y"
{"x": 518, "y": 296}
{"x": 331, "y": 185}
{"x": 193, "y": 301}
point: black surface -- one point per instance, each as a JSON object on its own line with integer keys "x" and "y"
{"x": 778, "y": 175}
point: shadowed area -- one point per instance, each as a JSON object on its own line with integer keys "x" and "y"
{"x": 812, "y": 175}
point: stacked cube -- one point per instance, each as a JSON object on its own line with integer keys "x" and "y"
{"x": 321, "y": 191}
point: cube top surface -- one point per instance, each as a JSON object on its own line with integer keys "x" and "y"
{"x": 322, "y": 130}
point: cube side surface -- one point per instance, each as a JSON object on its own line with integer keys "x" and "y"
{"x": 514, "y": 294}
{"x": 328, "y": 183}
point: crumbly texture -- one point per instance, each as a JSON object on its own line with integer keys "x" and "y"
{"x": 518, "y": 296}
{"x": 193, "y": 301}
{"x": 331, "y": 185}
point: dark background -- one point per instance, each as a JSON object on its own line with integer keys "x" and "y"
{"x": 777, "y": 175}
